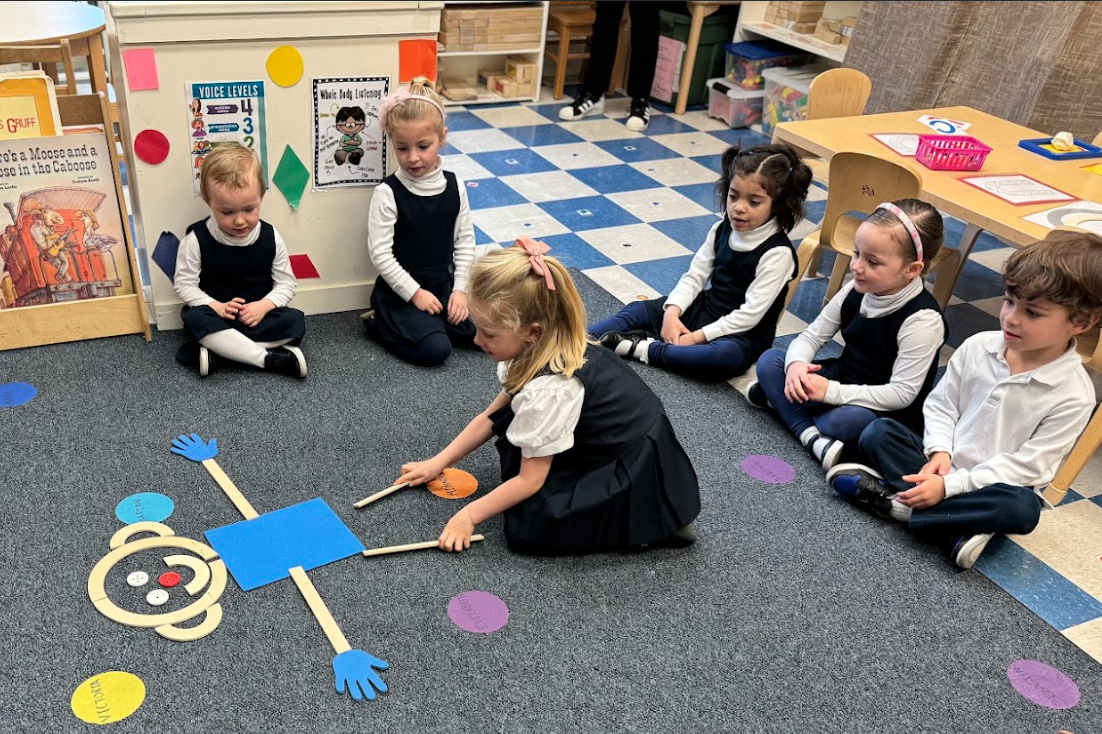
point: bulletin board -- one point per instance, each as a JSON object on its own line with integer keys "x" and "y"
{"x": 185, "y": 43}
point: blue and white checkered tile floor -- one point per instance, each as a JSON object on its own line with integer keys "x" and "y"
{"x": 629, "y": 210}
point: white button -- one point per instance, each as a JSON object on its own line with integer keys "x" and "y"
{"x": 157, "y": 597}
{"x": 138, "y": 578}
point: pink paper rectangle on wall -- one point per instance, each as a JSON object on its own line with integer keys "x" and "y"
{"x": 141, "y": 69}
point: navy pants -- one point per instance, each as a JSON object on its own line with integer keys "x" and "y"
{"x": 714, "y": 361}
{"x": 843, "y": 422}
{"x": 895, "y": 450}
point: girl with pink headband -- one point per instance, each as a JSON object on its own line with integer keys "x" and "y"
{"x": 589, "y": 460}
{"x": 893, "y": 330}
{"x": 420, "y": 236}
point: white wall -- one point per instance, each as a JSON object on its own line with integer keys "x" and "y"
{"x": 230, "y": 41}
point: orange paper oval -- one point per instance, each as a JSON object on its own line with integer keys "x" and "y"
{"x": 453, "y": 484}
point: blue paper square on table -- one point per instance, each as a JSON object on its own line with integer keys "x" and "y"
{"x": 265, "y": 549}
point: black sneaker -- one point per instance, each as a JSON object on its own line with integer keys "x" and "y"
{"x": 188, "y": 355}
{"x": 862, "y": 486}
{"x": 584, "y": 105}
{"x": 755, "y": 395}
{"x": 638, "y": 115}
{"x": 623, "y": 343}
{"x": 683, "y": 537}
{"x": 286, "y": 360}
{"x": 968, "y": 549}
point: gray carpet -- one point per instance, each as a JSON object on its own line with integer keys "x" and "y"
{"x": 794, "y": 612}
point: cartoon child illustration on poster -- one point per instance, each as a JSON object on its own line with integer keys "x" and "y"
{"x": 350, "y": 121}
{"x": 197, "y": 126}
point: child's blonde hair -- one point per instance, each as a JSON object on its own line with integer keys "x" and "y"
{"x": 504, "y": 288}
{"x": 926, "y": 219}
{"x": 230, "y": 164}
{"x": 414, "y": 110}
{"x": 1065, "y": 268}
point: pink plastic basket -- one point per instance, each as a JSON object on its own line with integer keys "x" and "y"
{"x": 951, "y": 152}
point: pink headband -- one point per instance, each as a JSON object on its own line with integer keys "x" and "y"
{"x": 535, "y": 250}
{"x": 398, "y": 99}
{"x": 907, "y": 225}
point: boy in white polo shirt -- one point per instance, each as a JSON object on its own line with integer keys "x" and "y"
{"x": 1002, "y": 419}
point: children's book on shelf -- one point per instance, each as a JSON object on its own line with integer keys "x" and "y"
{"x": 28, "y": 106}
{"x": 62, "y": 234}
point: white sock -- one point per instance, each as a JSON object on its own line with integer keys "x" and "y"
{"x": 232, "y": 344}
{"x": 900, "y": 511}
{"x": 624, "y": 349}
{"x": 819, "y": 446}
{"x": 642, "y": 352}
{"x": 809, "y": 435}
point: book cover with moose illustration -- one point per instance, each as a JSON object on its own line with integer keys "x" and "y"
{"x": 61, "y": 236}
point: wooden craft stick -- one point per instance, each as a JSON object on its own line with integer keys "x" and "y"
{"x": 379, "y": 495}
{"x": 230, "y": 489}
{"x": 411, "y": 547}
{"x": 321, "y": 612}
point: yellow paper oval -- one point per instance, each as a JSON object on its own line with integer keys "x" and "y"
{"x": 108, "y": 697}
{"x": 285, "y": 66}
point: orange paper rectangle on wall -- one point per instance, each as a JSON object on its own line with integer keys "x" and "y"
{"x": 302, "y": 267}
{"x": 416, "y": 58}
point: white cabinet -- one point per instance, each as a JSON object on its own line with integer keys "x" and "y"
{"x": 752, "y": 26}
{"x": 466, "y": 64}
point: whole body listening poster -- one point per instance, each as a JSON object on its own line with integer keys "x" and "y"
{"x": 222, "y": 112}
{"x": 349, "y": 146}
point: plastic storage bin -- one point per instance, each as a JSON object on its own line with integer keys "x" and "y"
{"x": 786, "y": 91}
{"x": 951, "y": 152}
{"x": 746, "y": 60}
{"x": 716, "y": 31}
{"x": 734, "y": 105}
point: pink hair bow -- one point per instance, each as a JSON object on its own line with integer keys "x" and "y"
{"x": 535, "y": 250}
{"x": 390, "y": 102}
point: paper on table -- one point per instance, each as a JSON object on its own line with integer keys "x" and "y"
{"x": 1017, "y": 189}
{"x": 905, "y": 144}
{"x": 1082, "y": 214}
{"x": 943, "y": 125}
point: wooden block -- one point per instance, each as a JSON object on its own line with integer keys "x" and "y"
{"x": 506, "y": 86}
{"x": 520, "y": 68}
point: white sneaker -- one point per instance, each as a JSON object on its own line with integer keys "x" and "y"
{"x": 585, "y": 104}
{"x": 968, "y": 549}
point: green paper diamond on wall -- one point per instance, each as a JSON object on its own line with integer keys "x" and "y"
{"x": 291, "y": 177}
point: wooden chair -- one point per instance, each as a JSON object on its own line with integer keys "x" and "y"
{"x": 835, "y": 93}
{"x": 1097, "y": 139}
{"x": 45, "y": 57}
{"x": 571, "y": 22}
{"x": 858, "y": 182}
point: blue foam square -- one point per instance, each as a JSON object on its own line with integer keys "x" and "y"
{"x": 588, "y": 212}
{"x": 513, "y": 162}
{"x": 490, "y": 193}
{"x": 614, "y": 179}
{"x": 164, "y": 253}
{"x": 263, "y": 550}
{"x": 634, "y": 150}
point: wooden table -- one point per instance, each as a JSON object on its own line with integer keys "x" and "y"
{"x": 30, "y": 23}
{"x": 699, "y": 11}
{"x": 981, "y": 210}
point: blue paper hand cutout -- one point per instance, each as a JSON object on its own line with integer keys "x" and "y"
{"x": 355, "y": 668}
{"x": 192, "y": 447}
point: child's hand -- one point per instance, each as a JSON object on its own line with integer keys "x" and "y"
{"x": 457, "y": 533}
{"x": 457, "y": 307}
{"x": 940, "y": 463}
{"x": 250, "y": 314}
{"x": 227, "y": 310}
{"x": 672, "y": 328}
{"x": 420, "y": 472}
{"x": 930, "y": 491}
{"x": 795, "y": 381}
{"x": 690, "y": 339}
{"x": 815, "y": 386}
{"x": 425, "y": 301}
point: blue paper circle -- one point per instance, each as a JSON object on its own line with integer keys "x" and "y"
{"x": 144, "y": 507}
{"x": 16, "y": 393}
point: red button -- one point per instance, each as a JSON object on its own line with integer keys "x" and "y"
{"x": 169, "y": 579}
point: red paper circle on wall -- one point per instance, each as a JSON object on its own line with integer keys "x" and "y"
{"x": 151, "y": 146}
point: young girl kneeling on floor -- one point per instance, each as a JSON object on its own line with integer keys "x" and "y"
{"x": 589, "y": 460}
{"x": 716, "y": 333}
{"x": 893, "y": 329}
{"x": 420, "y": 236}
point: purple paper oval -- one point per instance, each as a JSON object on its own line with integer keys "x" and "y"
{"x": 478, "y": 611}
{"x": 1043, "y": 685}
{"x": 768, "y": 469}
